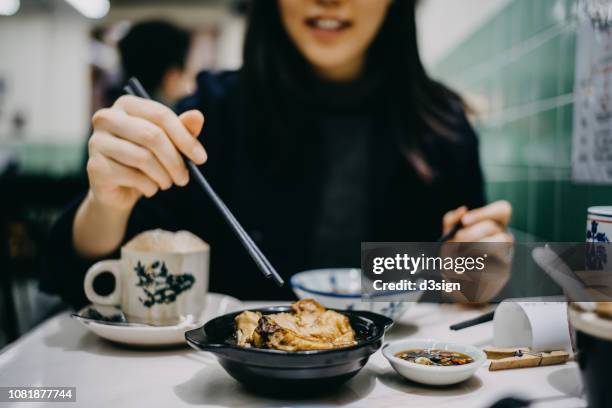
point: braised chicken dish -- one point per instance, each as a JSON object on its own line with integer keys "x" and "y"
{"x": 309, "y": 326}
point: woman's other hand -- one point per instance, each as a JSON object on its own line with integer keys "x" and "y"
{"x": 484, "y": 224}
{"x": 135, "y": 151}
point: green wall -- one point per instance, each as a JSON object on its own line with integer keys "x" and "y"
{"x": 518, "y": 71}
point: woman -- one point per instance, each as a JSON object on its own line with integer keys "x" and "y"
{"x": 331, "y": 134}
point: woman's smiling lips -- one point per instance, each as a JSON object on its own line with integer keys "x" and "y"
{"x": 327, "y": 27}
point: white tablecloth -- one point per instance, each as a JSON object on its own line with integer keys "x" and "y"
{"x": 61, "y": 352}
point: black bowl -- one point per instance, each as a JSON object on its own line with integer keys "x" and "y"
{"x": 270, "y": 371}
{"x": 595, "y": 359}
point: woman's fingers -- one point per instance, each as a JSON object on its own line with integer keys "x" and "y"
{"x": 478, "y": 231}
{"x": 503, "y": 237}
{"x": 165, "y": 118}
{"x": 452, "y": 217}
{"x": 499, "y": 211}
{"x": 107, "y": 173}
{"x": 193, "y": 120}
{"x": 136, "y": 148}
{"x": 146, "y": 134}
{"x": 131, "y": 155}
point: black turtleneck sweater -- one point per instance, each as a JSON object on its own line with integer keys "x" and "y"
{"x": 356, "y": 185}
{"x": 342, "y": 207}
{"x": 345, "y": 122}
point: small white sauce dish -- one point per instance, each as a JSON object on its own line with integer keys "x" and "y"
{"x": 433, "y": 375}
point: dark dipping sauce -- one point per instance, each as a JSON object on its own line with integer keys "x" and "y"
{"x": 434, "y": 357}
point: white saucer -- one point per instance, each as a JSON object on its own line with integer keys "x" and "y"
{"x": 140, "y": 335}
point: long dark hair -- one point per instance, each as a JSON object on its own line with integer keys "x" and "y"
{"x": 272, "y": 63}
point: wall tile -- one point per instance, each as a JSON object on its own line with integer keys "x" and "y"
{"x": 520, "y": 65}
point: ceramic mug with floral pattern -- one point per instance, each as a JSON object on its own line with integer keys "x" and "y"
{"x": 161, "y": 277}
{"x": 599, "y": 233}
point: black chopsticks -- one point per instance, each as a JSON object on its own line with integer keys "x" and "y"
{"x": 451, "y": 233}
{"x": 135, "y": 88}
{"x": 487, "y": 317}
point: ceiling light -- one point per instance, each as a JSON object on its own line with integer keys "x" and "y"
{"x": 91, "y": 8}
{"x": 9, "y": 7}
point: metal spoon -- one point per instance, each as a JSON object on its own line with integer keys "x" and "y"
{"x": 107, "y": 322}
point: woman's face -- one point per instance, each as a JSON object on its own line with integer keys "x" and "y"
{"x": 333, "y": 35}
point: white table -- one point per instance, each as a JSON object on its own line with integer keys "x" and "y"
{"x": 60, "y": 352}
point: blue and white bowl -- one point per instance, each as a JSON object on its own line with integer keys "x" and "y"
{"x": 341, "y": 289}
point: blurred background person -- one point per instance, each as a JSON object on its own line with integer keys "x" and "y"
{"x": 156, "y": 53}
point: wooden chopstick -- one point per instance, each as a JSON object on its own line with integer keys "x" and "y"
{"x": 523, "y": 357}
{"x": 135, "y": 88}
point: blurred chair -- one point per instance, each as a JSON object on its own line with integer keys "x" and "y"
{"x": 30, "y": 204}
{"x": 8, "y": 314}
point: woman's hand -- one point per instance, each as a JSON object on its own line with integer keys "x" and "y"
{"x": 484, "y": 224}
{"x": 135, "y": 151}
